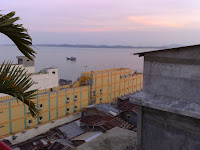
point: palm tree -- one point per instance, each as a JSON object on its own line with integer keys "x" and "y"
{"x": 13, "y": 80}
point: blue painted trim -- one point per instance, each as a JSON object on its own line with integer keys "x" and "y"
{"x": 10, "y": 117}
{"x": 136, "y": 83}
{"x": 124, "y": 83}
{"x": 108, "y": 87}
{"x": 24, "y": 123}
{"x": 95, "y": 87}
{"x": 88, "y": 95}
{"x": 102, "y": 89}
{"x": 25, "y": 116}
{"x": 140, "y": 82}
{"x": 81, "y": 98}
{"x": 119, "y": 84}
{"x": 57, "y": 104}
{"x": 73, "y": 94}
{"x": 66, "y": 101}
{"x": 37, "y": 108}
{"x": 45, "y": 90}
{"x": 114, "y": 84}
{"x": 49, "y": 107}
{"x": 111, "y": 86}
{"x": 102, "y": 80}
{"x": 128, "y": 84}
{"x": 132, "y": 85}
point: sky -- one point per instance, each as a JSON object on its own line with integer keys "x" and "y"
{"x": 111, "y": 22}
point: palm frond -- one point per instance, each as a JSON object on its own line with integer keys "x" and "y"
{"x": 14, "y": 81}
{"x": 17, "y": 33}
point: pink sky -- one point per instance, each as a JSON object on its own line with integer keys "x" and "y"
{"x": 128, "y": 22}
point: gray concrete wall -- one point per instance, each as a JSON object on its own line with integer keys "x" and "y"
{"x": 174, "y": 73}
{"x": 168, "y": 131}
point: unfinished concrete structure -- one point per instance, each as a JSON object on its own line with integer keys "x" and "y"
{"x": 169, "y": 105}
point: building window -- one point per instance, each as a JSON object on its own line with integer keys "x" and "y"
{"x": 20, "y": 61}
{"x": 67, "y": 98}
{"x": 75, "y": 107}
{"x": 30, "y": 121}
{"x": 75, "y": 96}
{"x": 41, "y": 105}
{"x": 94, "y": 93}
{"x": 53, "y": 72}
{"x": 41, "y": 118}
{"x": 101, "y": 100}
{"x": 67, "y": 109}
{"x": 100, "y": 91}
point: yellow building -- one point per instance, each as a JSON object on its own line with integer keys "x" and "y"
{"x": 92, "y": 87}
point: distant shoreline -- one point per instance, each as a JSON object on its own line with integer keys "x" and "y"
{"x": 101, "y": 46}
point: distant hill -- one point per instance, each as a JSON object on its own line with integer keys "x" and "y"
{"x": 103, "y": 46}
{"x": 96, "y": 46}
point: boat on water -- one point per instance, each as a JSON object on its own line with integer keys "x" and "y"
{"x": 71, "y": 58}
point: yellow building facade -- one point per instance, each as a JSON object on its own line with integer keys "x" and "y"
{"x": 92, "y": 88}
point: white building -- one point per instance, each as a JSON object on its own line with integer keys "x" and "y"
{"x": 46, "y": 78}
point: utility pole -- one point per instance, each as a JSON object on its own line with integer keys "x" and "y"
{"x": 85, "y": 67}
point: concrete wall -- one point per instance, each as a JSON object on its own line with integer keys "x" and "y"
{"x": 26, "y": 62}
{"x": 173, "y": 73}
{"x": 169, "y": 131}
{"x": 43, "y": 81}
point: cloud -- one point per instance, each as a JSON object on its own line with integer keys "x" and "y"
{"x": 83, "y": 29}
{"x": 156, "y": 21}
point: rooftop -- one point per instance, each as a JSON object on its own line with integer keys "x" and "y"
{"x": 107, "y": 70}
{"x": 165, "y": 103}
{"x": 88, "y": 136}
{"x": 107, "y": 108}
{"x": 177, "y": 48}
{"x": 114, "y": 139}
{"x": 71, "y": 130}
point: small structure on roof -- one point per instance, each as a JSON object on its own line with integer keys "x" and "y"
{"x": 65, "y": 82}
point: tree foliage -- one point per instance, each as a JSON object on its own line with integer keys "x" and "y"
{"x": 14, "y": 80}
{"x": 17, "y": 33}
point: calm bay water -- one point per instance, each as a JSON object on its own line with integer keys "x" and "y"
{"x": 93, "y": 58}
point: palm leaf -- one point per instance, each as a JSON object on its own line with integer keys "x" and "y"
{"x": 17, "y": 33}
{"x": 15, "y": 82}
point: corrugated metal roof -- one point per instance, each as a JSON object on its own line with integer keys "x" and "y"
{"x": 88, "y": 136}
{"x": 71, "y": 130}
{"x": 177, "y": 48}
{"x": 107, "y": 108}
{"x": 95, "y": 120}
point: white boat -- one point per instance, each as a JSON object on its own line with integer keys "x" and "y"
{"x": 71, "y": 58}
